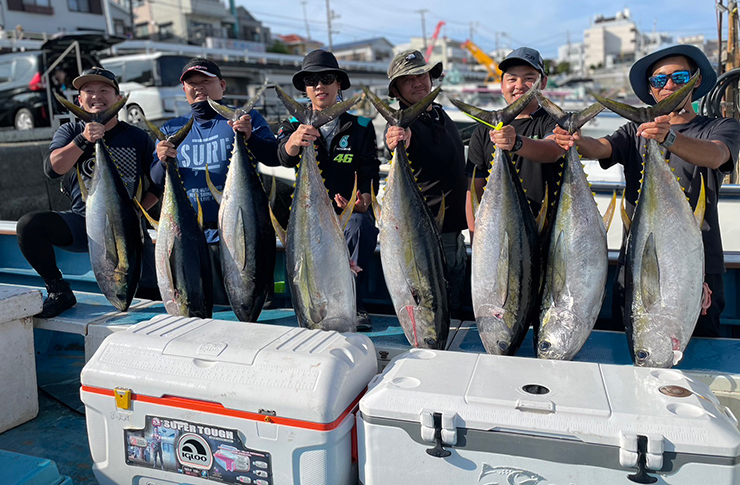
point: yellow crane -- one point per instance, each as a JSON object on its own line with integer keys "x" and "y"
{"x": 494, "y": 73}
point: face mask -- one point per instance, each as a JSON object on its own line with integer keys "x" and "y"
{"x": 202, "y": 111}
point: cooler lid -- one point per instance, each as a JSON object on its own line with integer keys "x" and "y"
{"x": 587, "y": 402}
{"x": 288, "y": 372}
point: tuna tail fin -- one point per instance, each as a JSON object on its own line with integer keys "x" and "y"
{"x": 626, "y": 221}
{"x": 302, "y": 113}
{"x": 503, "y": 116}
{"x": 571, "y": 122}
{"x": 474, "y": 199}
{"x": 155, "y": 130}
{"x": 81, "y": 183}
{"x": 650, "y": 274}
{"x": 542, "y": 215}
{"x": 101, "y": 118}
{"x": 149, "y": 218}
{"x": 376, "y": 204}
{"x": 225, "y": 111}
{"x": 347, "y": 211}
{"x": 217, "y": 194}
{"x": 701, "y": 205}
{"x": 178, "y": 137}
{"x": 402, "y": 117}
{"x": 644, "y": 115}
{"x": 307, "y": 116}
{"x": 609, "y": 214}
{"x": 279, "y": 230}
{"x": 326, "y": 115}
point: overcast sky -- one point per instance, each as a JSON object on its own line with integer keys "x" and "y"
{"x": 539, "y": 24}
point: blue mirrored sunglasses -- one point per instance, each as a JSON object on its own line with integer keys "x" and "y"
{"x": 678, "y": 77}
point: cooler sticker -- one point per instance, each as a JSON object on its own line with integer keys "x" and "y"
{"x": 504, "y": 474}
{"x": 197, "y": 450}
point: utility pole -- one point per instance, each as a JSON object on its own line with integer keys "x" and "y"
{"x": 329, "y": 16}
{"x": 131, "y": 13}
{"x": 472, "y": 30}
{"x": 305, "y": 19}
{"x": 423, "y": 28}
{"x": 733, "y": 62}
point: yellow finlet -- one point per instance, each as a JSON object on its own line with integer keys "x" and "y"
{"x": 701, "y": 205}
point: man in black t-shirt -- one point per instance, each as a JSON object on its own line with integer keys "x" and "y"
{"x": 72, "y": 151}
{"x": 695, "y": 146}
{"x": 529, "y": 138}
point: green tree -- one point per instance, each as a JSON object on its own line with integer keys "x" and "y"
{"x": 278, "y": 48}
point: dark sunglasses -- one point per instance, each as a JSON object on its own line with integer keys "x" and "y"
{"x": 678, "y": 77}
{"x": 325, "y": 79}
{"x": 99, "y": 71}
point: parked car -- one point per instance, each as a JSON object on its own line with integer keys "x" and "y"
{"x": 25, "y": 91}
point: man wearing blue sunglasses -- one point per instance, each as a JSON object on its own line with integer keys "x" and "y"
{"x": 695, "y": 146}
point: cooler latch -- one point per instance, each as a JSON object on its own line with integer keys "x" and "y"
{"x": 123, "y": 398}
{"x": 439, "y": 429}
{"x": 644, "y": 452}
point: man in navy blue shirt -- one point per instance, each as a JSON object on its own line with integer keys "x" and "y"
{"x": 210, "y": 143}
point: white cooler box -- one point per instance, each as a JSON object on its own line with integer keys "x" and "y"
{"x": 184, "y": 400}
{"x": 451, "y": 418}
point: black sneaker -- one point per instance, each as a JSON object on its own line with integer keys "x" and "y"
{"x": 59, "y": 298}
{"x": 363, "y": 322}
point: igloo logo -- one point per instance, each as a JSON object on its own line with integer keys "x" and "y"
{"x": 194, "y": 451}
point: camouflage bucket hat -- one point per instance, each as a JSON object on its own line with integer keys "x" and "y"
{"x": 411, "y": 63}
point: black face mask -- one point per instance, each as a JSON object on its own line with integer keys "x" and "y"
{"x": 202, "y": 111}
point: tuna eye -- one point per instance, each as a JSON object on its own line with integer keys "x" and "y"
{"x": 544, "y": 346}
{"x": 432, "y": 343}
{"x": 642, "y": 355}
{"x": 503, "y": 346}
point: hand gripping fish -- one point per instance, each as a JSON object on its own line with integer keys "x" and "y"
{"x": 410, "y": 243}
{"x": 113, "y": 227}
{"x": 576, "y": 265}
{"x": 317, "y": 258}
{"x": 505, "y": 260}
{"x": 181, "y": 254}
{"x": 664, "y": 268}
{"x": 247, "y": 239}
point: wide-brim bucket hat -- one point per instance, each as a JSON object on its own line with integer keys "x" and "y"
{"x": 411, "y": 63}
{"x": 320, "y": 61}
{"x": 642, "y": 70}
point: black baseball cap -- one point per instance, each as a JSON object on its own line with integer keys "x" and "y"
{"x": 96, "y": 74}
{"x": 524, "y": 55}
{"x": 201, "y": 65}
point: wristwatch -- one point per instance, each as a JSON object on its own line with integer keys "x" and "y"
{"x": 670, "y": 139}
{"x": 519, "y": 142}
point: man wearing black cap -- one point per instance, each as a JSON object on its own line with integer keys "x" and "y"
{"x": 437, "y": 158}
{"x": 72, "y": 151}
{"x": 529, "y": 138}
{"x": 346, "y": 146}
{"x": 695, "y": 145}
{"x": 209, "y": 144}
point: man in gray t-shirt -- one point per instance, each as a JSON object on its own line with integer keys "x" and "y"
{"x": 696, "y": 145}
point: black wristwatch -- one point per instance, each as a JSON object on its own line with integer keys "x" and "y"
{"x": 670, "y": 139}
{"x": 82, "y": 142}
{"x": 517, "y": 144}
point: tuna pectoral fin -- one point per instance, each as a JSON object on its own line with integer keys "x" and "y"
{"x": 502, "y": 274}
{"x": 558, "y": 270}
{"x": 199, "y": 212}
{"x": 701, "y": 205}
{"x": 111, "y": 247}
{"x": 650, "y": 274}
{"x": 626, "y": 221}
{"x": 149, "y": 218}
{"x": 168, "y": 264}
{"x": 279, "y": 231}
{"x": 542, "y": 216}
{"x": 273, "y": 191}
{"x": 376, "y": 204}
{"x": 240, "y": 241}
{"x": 313, "y": 300}
{"x": 609, "y": 214}
{"x": 216, "y": 193}
{"x": 347, "y": 211}
{"x": 81, "y": 183}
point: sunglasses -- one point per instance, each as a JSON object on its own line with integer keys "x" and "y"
{"x": 678, "y": 77}
{"x": 99, "y": 71}
{"x": 324, "y": 79}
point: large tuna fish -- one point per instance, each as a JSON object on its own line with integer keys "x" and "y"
{"x": 113, "y": 227}
{"x": 181, "y": 253}
{"x": 505, "y": 260}
{"x": 247, "y": 238}
{"x": 317, "y": 259}
{"x": 665, "y": 254}
{"x": 410, "y": 243}
{"x": 576, "y": 265}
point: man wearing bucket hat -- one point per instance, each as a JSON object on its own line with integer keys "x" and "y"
{"x": 209, "y": 144}
{"x": 529, "y": 138}
{"x": 438, "y": 158}
{"x": 72, "y": 152}
{"x": 345, "y": 146}
{"x": 696, "y": 146}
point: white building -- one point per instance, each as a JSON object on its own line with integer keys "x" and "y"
{"x": 575, "y": 55}
{"x": 377, "y": 49}
{"x": 38, "y": 18}
{"x": 611, "y": 40}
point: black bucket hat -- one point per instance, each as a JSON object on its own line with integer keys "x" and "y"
{"x": 411, "y": 63}
{"x": 320, "y": 61}
{"x": 642, "y": 70}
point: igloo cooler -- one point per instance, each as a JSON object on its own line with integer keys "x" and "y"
{"x": 449, "y": 418}
{"x": 184, "y": 400}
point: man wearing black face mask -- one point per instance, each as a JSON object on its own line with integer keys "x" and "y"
{"x": 210, "y": 143}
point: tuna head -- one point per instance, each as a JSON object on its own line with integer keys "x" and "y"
{"x": 415, "y": 321}
{"x": 657, "y": 341}
{"x": 561, "y": 334}
{"x": 495, "y": 326}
